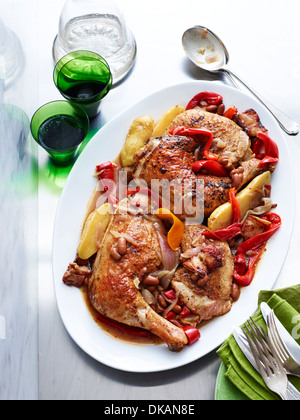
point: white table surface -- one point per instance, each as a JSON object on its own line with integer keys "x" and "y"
{"x": 38, "y": 359}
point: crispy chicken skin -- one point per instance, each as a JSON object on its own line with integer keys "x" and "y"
{"x": 171, "y": 158}
{"x": 112, "y": 290}
{"x": 234, "y": 142}
{"x": 214, "y": 297}
{"x": 231, "y": 139}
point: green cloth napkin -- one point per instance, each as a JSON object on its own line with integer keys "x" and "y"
{"x": 286, "y": 305}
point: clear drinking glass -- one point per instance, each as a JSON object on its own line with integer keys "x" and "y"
{"x": 98, "y": 26}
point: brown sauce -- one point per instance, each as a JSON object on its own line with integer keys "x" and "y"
{"x": 116, "y": 333}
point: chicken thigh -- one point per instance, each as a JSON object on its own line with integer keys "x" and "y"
{"x": 205, "y": 277}
{"x": 114, "y": 285}
{"x": 229, "y": 139}
{"x": 170, "y": 158}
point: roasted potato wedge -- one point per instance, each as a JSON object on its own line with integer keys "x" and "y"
{"x": 249, "y": 198}
{"x": 166, "y": 119}
{"x": 93, "y": 231}
{"x": 139, "y": 132}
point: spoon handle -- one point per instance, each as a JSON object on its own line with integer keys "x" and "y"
{"x": 289, "y": 126}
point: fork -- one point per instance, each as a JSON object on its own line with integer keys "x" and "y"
{"x": 267, "y": 363}
{"x": 289, "y": 364}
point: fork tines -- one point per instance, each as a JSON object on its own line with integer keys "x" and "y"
{"x": 260, "y": 343}
{"x": 276, "y": 340}
{"x": 265, "y": 357}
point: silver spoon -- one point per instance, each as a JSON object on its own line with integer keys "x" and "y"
{"x": 208, "y": 52}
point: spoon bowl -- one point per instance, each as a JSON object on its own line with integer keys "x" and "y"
{"x": 206, "y": 50}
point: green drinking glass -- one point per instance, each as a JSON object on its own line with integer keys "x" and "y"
{"x": 60, "y": 127}
{"x": 83, "y": 78}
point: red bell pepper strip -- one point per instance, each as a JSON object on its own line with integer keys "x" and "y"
{"x": 240, "y": 264}
{"x": 267, "y": 160}
{"x": 171, "y": 316}
{"x": 235, "y": 204}
{"x": 235, "y": 229}
{"x": 170, "y": 294}
{"x": 132, "y": 191}
{"x": 231, "y": 113}
{"x": 271, "y": 152}
{"x": 244, "y": 280}
{"x": 211, "y": 167}
{"x": 184, "y": 131}
{"x": 258, "y": 240}
{"x": 106, "y": 171}
{"x": 106, "y": 165}
{"x": 185, "y": 312}
{"x": 273, "y": 218}
{"x": 192, "y": 333}
{"x": 133, "y": 331}
{"x": 209, "y": 98}
{"x": 271, "y": 148}
{"x": 256, "y": 148}
{"x": 224, "y": 234}
{"x": 243, "y": 275}
{"x": 145, "y": 191}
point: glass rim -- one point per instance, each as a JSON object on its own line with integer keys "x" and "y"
{"x": 109, "y": 82}
{"x": 84, "y": 115}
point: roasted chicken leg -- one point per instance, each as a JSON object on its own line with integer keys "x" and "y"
{"x": 113, "y": 288}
